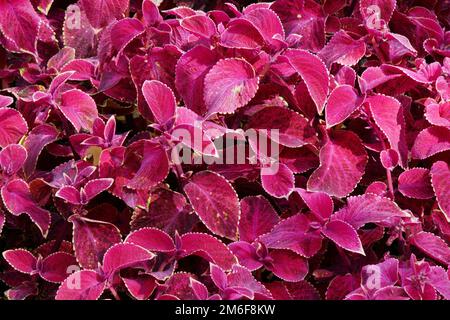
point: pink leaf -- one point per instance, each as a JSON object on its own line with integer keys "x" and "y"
{"x": 12, "y": 126}
{"x": 241, "y": 34}
{"x": 440, "y": 179}
{"x": 201, "y": 26}
{"x": 57, "y": 266}
{"x": 277, "y": 180}
{"x": 151, "y": 239}
{"x": 342, "y": 164}
{"x": 140, "y": 287}
{"x": 79, "y": 108}
{"x": 344, "y": 235}
{"x": 18, "y": 199}
{"x": 154, "y": 167}
{"x": 21, "y": 260}
{"x": 123, "y": 255}
{"x": 5, "y": 101}
{"x": 343, "y": 49}
{"x": 191, "y": 71}
{"x": 293, "y": 233}
{"x": 292, "y": 129}
{"x": 102, "y": 12}
{"x": 92, "y": 239}
{"x": 388, "y": 115}
{"x": 318, "y": 202}
{"x": 289, "y": 266}
{"x": 81, "y": 285}
{"x": 69, "y": 194}
{"x": 438, "y": 114}
{"x": 313, "y": 72}
{"x": 343, "y": 101}
{"x": 257, "y": 218}
{"x": 433, "y": 246}
{"x": 95, "y": 187}
{"x": 19, "y": 24}
{"x": 368, "y": 208}
{"x": 215, "y": 202}
{"x": 389, "y": 158}
{"x": 229, "y": 85}
{"x": 415, "y": 183}
{"x": 160, "y": 100}
{"x": 209, "y": 248}
{"x": 37, "y": 139}
{"x": 430, "y": 141}
{"x": 12, "y": 158}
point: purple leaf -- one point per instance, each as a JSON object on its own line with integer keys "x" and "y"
{"x": 151, "y": 239}
{"x": 215, "y": 202}
{"x": 319, "y": 203}
{"x": 123, "y": 255}
{"x": 343, "y": 49}
{"x": 56, "y": 266}
{"x": 289, "y": 266}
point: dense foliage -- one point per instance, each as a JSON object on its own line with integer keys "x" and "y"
{"x": 97, "y": 95}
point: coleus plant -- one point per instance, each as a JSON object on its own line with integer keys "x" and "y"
{"x": 272, "y": 150}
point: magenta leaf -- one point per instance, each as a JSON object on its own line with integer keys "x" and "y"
{"x": 18, "y": 199}
{"x": 389, "y": 158}
{"x": 12, "y": 158}
{"x": 124, "y": 255}
{"x": 151, "y": 239}
{"x": 21, "y": 260}
{"x": 432, "y": 246}
{"x": 294, "y": 234}
{"x": 79, "y": 108}
{"x": 241, "y": 34}
{"x": 368, "y": 208}
{"x": 293, "y": 129}
{"x": 342, "y": 164}
{"x": 440, "y": 177}
{"x": 388, "y": 115}
{"x": 430, "y": 141}
{"x": 313, "y": 72}
{"x": 277, "y": 180}
{"x": 12, "y": 126}
{"x": 102, "y": 12}
{"x": 191, "y": 71}
{"x": 288, "y": 265}
{"x": 343, "y": 49}
{"x": 257, "y": 218}
{"x": 229, "y": 85}
{"x": 35, "y": 142}
{"x": 342, "y": 102}
{"x": 215, "y": 202}
{"x": 415, "y": 183}
{"x": 57, "y": 266}
{"x": 201, "y": 26}
{"x": 438, "y": 114}
{"x": 5, "y": 101}
{"x": 92, "y": 239}
{"x": 209, "y": 248}
{"x": 319, "y": 203}
{"x": 344, "y": 235}
{"x": 94, "y": 188}
{"x": 153, "y": 169}
{"x": 160, "y": 100}
{"x": 19, "y": 24}
{"x": 81, "y": 285}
